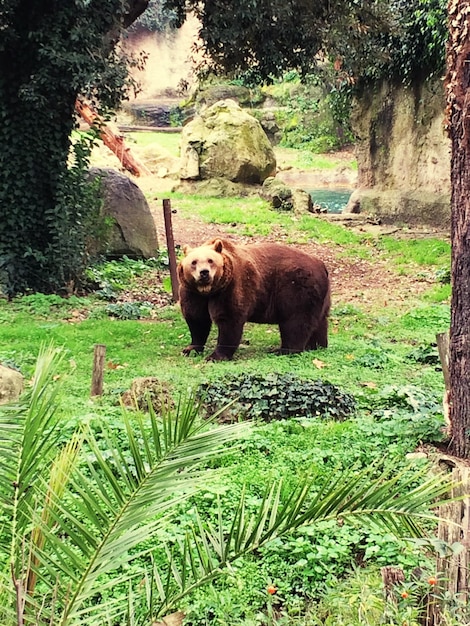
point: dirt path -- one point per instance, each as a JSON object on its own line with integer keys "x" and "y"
{"x": 368, "y": 284}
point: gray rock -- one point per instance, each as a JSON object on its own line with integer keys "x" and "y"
{"x": 11, "y": 384}
{"x": 282, "y": 197}
{"x": 133, "y": 232}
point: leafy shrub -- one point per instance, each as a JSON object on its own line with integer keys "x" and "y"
{"x": 405, "y": 412}
{"x": 129, "y": 310}
{"x": 274, "y": 396}
{"x": 426, "y": 354}
{"x": 443, "y": 275}
{"x": 44, "y": 305}
{"x": 117, "y": 275}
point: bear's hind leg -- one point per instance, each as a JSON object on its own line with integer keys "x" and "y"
{"x": 319, "y": 337}
{"x": 294, "y": 335}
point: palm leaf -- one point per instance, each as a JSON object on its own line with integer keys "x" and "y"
{"x": 399, "y": 504}
{"x": 117, "y": 501}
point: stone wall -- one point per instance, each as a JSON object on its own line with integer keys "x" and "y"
{"x": 403, "y": 154}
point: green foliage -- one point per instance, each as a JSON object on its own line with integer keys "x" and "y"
{"x": 129, "y": 310}
{"x": 275, "y": 397}
{"x": 439, "y": 315}
{"x": 120, "y": 274}
{"x": 400, "y": 412}
{"x": 426, "y": 251}
{"x": 443, "y": 275}
{"x": 359, "y": 600}
{"x": 44, "y": 305}
{"x": 425, "y": 354}
{"x": 58, "y": 51}
{"x": 312, "y": 116}
{"x": 101, "y": 514}
{"x": 418, "y": 49}
{"x": 370, "y": 40}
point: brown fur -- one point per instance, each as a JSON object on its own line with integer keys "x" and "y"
{"x": 229, "y": 285}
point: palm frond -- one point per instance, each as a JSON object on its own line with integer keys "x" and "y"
{"x": 119, "y": 499}
{"x": 398, "y": 504}
{"x": 29, "y": 432}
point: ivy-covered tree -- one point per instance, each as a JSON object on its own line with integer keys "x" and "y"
{"x": 51, "y": 51}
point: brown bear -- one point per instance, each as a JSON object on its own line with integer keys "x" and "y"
{"x": 269, "y": 283}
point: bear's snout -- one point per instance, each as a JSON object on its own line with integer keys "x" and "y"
{"x": 204, "y": 277}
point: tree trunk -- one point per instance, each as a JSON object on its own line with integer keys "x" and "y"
{"x": 110, "y": 139}
{"x": 458, "y": 110}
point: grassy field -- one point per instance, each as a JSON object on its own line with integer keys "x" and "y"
{"x": 382, "y": 361}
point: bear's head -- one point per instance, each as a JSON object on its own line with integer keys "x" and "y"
{"x": 203, "y": 268}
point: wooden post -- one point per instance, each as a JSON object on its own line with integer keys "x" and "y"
{"x": 391, "y": 578}
{"x": 454, "y": 531}
{"x": 442, "y": 340}
{"x": 98, "y": 370}
{"x": 170, "y": 246}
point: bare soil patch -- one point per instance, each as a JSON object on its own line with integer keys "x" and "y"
{"x": 370, "y": 284}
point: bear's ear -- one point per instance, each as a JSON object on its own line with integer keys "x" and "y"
{"x": 186, "y": 249}
{"x": 218, "y": 245}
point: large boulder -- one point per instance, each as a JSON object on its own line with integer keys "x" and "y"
{"x": 11, "y": 384}
{"x": 133, "y": 231}
{"x": 225, "y": 141}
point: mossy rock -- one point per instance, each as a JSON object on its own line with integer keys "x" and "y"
{"x": 148, "y": 389}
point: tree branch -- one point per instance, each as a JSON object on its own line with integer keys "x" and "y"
{"x": 135, "y": 10}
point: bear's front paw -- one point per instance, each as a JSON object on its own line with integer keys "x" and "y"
{"x": 192, "y": 348}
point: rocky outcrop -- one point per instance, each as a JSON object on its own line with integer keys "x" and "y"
{"x": 225, "y": 141}
{"x": 283, "y": 198}
{"x": 403, "y": 154}
{"x": 133, "y": 232}
{"x": 11, "y": 384}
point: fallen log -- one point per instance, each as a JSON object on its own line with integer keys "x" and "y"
{"x": 110, "y": 139}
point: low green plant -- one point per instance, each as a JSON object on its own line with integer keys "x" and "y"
{"x": 129, "y": 310}
{"x": 117, "y": 275}
{"x": 400, "y": 412}
{"x": 44, "y": 305}
{"x": 425, "y": 252}
{"x": 83, "y": 517}
{"x": 275, "y": 396}
{"x": 426, "y": 353}
{"x": 443, "y": 275}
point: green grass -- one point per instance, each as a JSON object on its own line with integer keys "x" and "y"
{"x": 306, "y": 160}
{"x": 380, "y": 355}
{"x": 168, "y": 141}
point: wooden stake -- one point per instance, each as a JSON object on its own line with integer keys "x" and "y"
{"x": 170, "y": 246}
{"x": 98, "y": 370}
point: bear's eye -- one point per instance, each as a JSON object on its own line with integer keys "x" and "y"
{"x": 210, "y": 261}
{"x": 194, "y": 263}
